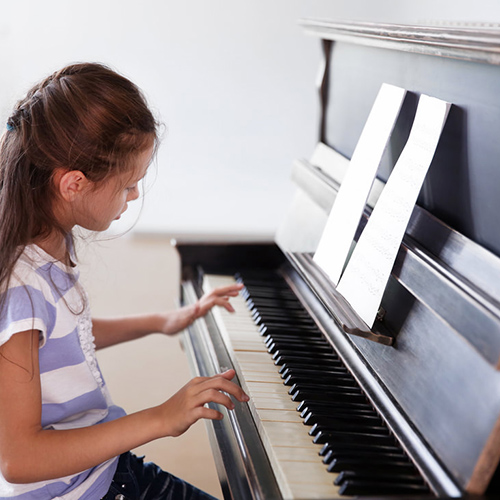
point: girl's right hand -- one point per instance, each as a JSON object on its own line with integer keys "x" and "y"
{"x": 187, "y": 406}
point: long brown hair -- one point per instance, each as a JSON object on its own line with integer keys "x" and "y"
{"x": 84, "y": 117}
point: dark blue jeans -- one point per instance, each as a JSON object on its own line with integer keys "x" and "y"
{"x": 136, "y": 480}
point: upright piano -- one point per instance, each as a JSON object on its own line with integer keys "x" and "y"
{"x": 409, "y": 409}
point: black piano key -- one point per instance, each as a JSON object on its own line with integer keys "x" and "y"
{"x": 280, "y": 317}
{"x": 298, "y": 360}
{"x": 318, "y": 414}
{"x": 263, "y": 293}
{"x": 381, "y": 464}
{"x": 280, "y": 339}
{"x": 254, "y": 297}
{"x": 293, "y": 332}
{"x": 335, "y": 423}
{"x": 333, "y": 388}
{"x": 352, "y": 437}
{"x": 332, "y": 393}
{"x": 257, "y": 288}
{"x": 298, "y": 331}
{"x": 270, "y": 302}
{"x": 300, "y": 345}
{"x": 349, "y": 475}
{"x": 343, "y": 426}
{"x": 307, "y": 361}
{"x": 265, "y": 280}
{"x": 353, "y": 487}
{"x": 322, "y": 382}
{"x": 326, "y": 418}
{"x": 372, "y": 454}
{"x": 295, "y": 341}
{"x": 356, "y": 446}
{"x": 308, "y": 405}
{"x": 277, "y": 313}
{"x": 315, "y": 373}
{"x": 279, "y": 310}
{"x": 329, "y": 397}
{"x": 305, "y": 349}
{"x": 277, "y": 345}
{"x": 300, "y": 327}
{"x": 286, "y": 317}
{"x": 306, "y": 353}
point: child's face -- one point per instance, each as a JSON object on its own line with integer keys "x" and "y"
{"x": 107, "y": 202}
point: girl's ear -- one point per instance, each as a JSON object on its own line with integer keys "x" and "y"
{"x": 70, "y": 183}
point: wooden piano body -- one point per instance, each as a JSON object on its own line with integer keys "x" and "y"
{"x": 438, "y": 385}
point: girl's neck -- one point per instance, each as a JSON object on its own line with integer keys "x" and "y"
{"x": 55, "y": 245}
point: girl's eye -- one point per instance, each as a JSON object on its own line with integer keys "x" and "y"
{"x": 131, "y": 188}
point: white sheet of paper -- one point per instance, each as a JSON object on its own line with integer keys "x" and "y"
{"x": 336, "y": 240}
{"x": 366, "y": 275}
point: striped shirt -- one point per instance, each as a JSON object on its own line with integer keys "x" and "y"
{"x": 45, "y": 295}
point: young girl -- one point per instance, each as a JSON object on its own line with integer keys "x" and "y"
{"x": 72, "y": 155}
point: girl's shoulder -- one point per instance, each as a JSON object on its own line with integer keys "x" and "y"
{"x": 25, "y": 270}
{"x": 36, "y": 268}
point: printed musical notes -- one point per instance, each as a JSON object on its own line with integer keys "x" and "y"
{"x": 366, "y": 275}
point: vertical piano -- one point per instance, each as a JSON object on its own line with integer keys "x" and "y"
{"x": 413, "y": 408}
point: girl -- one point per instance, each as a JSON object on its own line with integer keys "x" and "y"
{"x": 73, "y": 153}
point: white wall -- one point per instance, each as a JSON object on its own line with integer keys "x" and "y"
{"x": 233, "y": 82}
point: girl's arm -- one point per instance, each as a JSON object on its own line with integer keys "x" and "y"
{"x": 29, "y": 453}
{"x": 108, "y": 332}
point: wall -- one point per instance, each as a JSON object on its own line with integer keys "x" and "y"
{"x": 233, "y": 83}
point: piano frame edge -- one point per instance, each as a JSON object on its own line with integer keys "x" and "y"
{"x": 242, "y": 463}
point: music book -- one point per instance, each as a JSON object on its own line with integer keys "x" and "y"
{"x": 368, "y": 270}
{"x": 338, "y": 234}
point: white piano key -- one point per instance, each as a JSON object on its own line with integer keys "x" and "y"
{"x": 292, "y": 454}
{"x": 252, "y": 346}
{"x": 280, "y": 416}
{"x": 253, "y": 367}
{"x": 266, "y": 388}
{"x": 258, "y": 376}
{"x": 277, "y": 403}
{"x": 286, "y": 433}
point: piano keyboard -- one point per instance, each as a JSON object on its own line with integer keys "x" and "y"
{"x": 294, "y": 377}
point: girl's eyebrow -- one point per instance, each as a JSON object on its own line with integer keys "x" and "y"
{"x": 139, "y": 176}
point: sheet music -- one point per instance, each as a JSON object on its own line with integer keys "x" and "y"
{"x": 335, "y": 242}
{"x": 366, "y": 275}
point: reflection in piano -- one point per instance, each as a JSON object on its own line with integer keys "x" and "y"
{"x": 412, "y": 408}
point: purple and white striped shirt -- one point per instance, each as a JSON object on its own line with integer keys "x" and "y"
{"x": 45, "y": 295}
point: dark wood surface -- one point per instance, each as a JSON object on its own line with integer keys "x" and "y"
{"x": 442, "y": 300}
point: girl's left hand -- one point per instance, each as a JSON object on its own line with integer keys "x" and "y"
{"x": 176, "y": 321}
